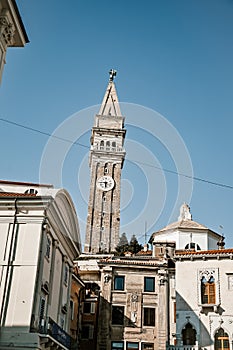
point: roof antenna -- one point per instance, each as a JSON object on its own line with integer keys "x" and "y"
{"x": 112, "y": 74}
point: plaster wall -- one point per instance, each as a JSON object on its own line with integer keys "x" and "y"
{"x": 206, "y": 321}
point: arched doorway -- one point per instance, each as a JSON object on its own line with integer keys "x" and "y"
{"x": 221, "y": 340}
{"x": 189, "y": 335}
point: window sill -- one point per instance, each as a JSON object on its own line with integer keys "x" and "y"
{"x": 214, "y": 307}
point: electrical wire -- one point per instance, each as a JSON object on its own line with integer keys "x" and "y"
{"x": 128, "y": 160}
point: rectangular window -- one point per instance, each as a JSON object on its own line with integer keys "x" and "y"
{"x": 87, "y": 331}
{"x": 174, "y": 310}
{"x": 117, "y": 315}
{"x": 42, "y": 315}
{"x": 88, "y": 307}
{"x": 71, "y": 309}
{"x": 117, "y": 345}
{"x": 230, "y": 282}
{"x": 119, "y": 283}
{"x": 147, "y": 346}
{"x": 48, "y": 247}
{"x": 208, "y": 293}
{"x": 66, "y": 274}
{"x": 132, "y": 346}
{"x": 149, "y": 316}
{"x": 149, "y": 284}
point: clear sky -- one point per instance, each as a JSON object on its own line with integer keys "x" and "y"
{"x": 175, "y": 74}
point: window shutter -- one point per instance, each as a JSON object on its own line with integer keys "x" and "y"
{"x": 92, "y": 308}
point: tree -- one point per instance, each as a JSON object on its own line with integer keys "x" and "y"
{"x": 134, "y": 247}
{"x": 123, "y": 244}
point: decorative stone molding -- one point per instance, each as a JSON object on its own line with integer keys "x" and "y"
{"x": 107, "y": 278}
{"x": 7, "y": 31}
{"x": 209, "y": 273}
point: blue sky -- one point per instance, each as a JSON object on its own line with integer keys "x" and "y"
{"x": 172, "y": 57}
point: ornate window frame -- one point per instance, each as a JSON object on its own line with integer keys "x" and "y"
{"x": 207, "y": 273}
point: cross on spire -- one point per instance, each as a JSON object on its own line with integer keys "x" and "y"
{"x": 112, "y": 74}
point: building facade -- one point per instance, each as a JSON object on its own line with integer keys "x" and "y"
{"x": 134, "y": 304}
{"x": 106, "y": 162}
{"x": 39, "y": 241}
{"x": 204, "y": 304}
{"x": 12, "y": 31}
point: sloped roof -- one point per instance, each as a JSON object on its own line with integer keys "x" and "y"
{"x": 204, "y": 252}
{"x": 183, "y": 224}
{"x": 14, "y": 194}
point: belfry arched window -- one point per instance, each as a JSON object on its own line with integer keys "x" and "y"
{"x": 189, "y": 335}
{"x": 221, "y": 340}
{"x": 101, "y": 144}
{"x": 108, "y": 145}
{"x": 208, "y": 290}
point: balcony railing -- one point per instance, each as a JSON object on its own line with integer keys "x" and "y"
{"x": 182, "y": 347}
{"x": 107, "y": 148}
{"x": 49, "y": 327}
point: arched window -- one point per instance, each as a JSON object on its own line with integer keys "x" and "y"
{"x": 189, "y": 335}
{"x": 221, "y": 340}
{"x": 208, "y": 290}
{"x": 101, "y": 144}
{"x": 108, "y": 145}
{"x": 114, "y": 144}
{"x": 192, "y": 245}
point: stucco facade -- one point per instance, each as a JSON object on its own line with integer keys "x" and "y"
{"x": 39, "y": 240}
{"x": 206, "y": 319}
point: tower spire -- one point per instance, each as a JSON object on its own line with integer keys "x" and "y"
{"x": 106, "y": 161}
{"x": 110, "y": 104}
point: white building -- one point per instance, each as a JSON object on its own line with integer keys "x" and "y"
{"x": 204, "y": 284}
{"x": 204, "y": 297}
{"x": 186, "y": 233}
{"x": 39, "y": 241}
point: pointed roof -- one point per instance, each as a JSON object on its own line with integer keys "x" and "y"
{"x": 110, "y": 104}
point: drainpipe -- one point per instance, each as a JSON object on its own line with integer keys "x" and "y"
{"x": 9, "y": 269}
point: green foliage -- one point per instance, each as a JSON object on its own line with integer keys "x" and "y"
{"x": 124, "y": 246}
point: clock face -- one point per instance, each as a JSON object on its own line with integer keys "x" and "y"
{"x": 105, "y": 183}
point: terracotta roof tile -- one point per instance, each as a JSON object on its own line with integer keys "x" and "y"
{"x": 130, "y": 262}
{"x": 205, "y": 252}
{"x": 6, "y": 182}
{"x": 15, "y": 194}
{"x": 142, "y": 252}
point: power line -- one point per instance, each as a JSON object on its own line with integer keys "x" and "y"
{"x": 129, "y": 160}
{"x": 43, "y": 133}
{"x": 180, "y": 174}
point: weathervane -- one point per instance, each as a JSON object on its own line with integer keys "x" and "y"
{"x": 112, "y": 74}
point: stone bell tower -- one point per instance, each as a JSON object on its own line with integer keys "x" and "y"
{"x": 106, "y": 161}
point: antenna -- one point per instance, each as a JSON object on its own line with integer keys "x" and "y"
{"x": 145, "y": 232}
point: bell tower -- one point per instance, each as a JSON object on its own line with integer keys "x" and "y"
{"x": 106, "y": 161}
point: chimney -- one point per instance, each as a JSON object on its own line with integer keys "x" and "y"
{"x": 145, "y": 247}
{"x": 221, "y": 243}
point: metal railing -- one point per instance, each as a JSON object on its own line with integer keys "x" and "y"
{"x": 107, "y": 148}
{"x": 182, "y": 347}
{"x": 47, "y": 326}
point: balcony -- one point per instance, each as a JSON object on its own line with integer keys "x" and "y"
{"x": 107, "y": 148}
{"x": 182, "y": 347}
{"x": 51, "y": 332}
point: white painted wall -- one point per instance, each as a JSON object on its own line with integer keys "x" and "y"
{"x": 187, "y": 289}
